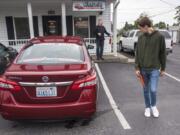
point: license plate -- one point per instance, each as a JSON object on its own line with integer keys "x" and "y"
{"x": 46, "y": 91}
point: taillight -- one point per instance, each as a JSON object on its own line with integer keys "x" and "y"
{"x": 9, "y": 85}
{"x": 85, "y": 83}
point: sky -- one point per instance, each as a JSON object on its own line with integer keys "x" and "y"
{"x": 161, "y": 10}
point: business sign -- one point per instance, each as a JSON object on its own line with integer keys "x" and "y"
{"x": 88, "y": 6}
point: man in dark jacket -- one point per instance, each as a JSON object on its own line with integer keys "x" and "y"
{"x": 100, "y": 31}
{"x": 150, "y": 62}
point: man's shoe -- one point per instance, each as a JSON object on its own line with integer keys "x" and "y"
{"x": 102, "y": 58}
{"x": 155, "y": 111}
{"x": 147, "y": 112}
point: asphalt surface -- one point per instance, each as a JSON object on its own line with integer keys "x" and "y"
{"x": 102, "y": 124}
{"x": 127, "y": 94}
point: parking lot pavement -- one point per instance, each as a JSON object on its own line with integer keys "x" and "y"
{"x": 103, "y": 123}
{"x": 173, "y": 60}
{"x": 127, "y": 93}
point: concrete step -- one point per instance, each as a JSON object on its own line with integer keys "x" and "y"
{"x": 111, "y": 59}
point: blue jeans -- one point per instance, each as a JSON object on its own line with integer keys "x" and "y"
{"x": 151, "y": 78}
{"x": 99, "y": 48}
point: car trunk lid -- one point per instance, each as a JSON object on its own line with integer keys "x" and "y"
{"x": 58, "y": 79}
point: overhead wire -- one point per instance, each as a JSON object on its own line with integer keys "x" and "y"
{"x": 170, "y": 4}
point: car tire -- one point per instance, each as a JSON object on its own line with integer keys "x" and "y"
{"x": 134, "y": 51}
{"x": 120, "y": 49}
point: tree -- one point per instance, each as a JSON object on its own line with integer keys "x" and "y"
{"x": 128, "y": 26}
{"x": 161, "y": 25}
{"x": 177, "y": 16}
{"x": 120, "y": 32}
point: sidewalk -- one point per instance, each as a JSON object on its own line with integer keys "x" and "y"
{"x": 110, "y": 58}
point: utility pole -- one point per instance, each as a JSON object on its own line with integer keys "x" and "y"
{"x": 179, "y": 34}
{"x": 30, "y": 18}
{"x": 115, "y": 5}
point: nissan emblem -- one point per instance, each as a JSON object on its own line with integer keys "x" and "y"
{"x": 45, "y": 78}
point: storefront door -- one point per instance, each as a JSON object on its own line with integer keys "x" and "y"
{"x": 52, "y": 25}
{"x": 81, "y": 27}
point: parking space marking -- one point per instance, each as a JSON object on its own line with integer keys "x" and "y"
{"x": 173, "y": 77}
{"x": 113, "y": 104}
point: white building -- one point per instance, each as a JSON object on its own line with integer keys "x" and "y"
{"x": 21, "y": 20}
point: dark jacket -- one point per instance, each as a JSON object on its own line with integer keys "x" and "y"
{"x": 102, "y": 30}
{"x": 151, "y": 51}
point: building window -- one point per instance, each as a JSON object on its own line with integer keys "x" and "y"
{"x": 81, "y": 27}
{"x": 18, "y": 27}
{"x": 22, "y": 27}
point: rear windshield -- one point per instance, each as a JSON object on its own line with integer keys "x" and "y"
{"x": 165, "y": 34}
{"x": 52, "y": 53}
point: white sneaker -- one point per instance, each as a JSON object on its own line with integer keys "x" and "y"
{"x": 155, "y": 111}
{"x": 147, "y": 112}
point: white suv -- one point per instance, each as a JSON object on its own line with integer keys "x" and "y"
{"x": 129, "y": 41}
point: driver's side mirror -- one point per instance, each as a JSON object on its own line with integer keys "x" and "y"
{"x": 10, "y": 49}
{"x": 12, "y": 53}
{"x": 90, "y": 47}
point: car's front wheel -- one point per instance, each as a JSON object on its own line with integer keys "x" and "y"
{"x": 120, "y": 47}
{"x": 135, "y": 47}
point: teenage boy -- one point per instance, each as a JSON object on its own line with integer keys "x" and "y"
{"x": 150, "y": 62}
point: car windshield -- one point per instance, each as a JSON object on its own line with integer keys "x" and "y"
{"x": 138, "y": 33}
{"x": 165, "y": 34}
{"x": 52, "y": 53}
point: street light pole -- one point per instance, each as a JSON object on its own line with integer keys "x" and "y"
{"x": 179, "y": 34}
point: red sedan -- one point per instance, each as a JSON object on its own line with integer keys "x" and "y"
{"x": 51, "y": 78}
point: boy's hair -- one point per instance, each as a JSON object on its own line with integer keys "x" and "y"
{"x": 145, "y": 21}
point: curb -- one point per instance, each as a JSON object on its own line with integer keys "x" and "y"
{"x": 120, "y": 58}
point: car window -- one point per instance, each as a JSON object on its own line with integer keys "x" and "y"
{"x": 138, "y": 33}
{"x": 52, "y": 53}
{"x": 131, "y": 34}
{"x": 165, "y": 34}
{"x": 2, "y": 49}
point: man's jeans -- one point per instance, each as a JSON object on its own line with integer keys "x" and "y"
{"x": 151, "y": 78}
{"x": 99, "y": 48}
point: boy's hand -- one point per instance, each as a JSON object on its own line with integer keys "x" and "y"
{"x": 99, "y": 34}
{"x": 138, "y": 73}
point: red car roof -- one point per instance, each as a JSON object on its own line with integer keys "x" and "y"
{"x": 57, "y": 39}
